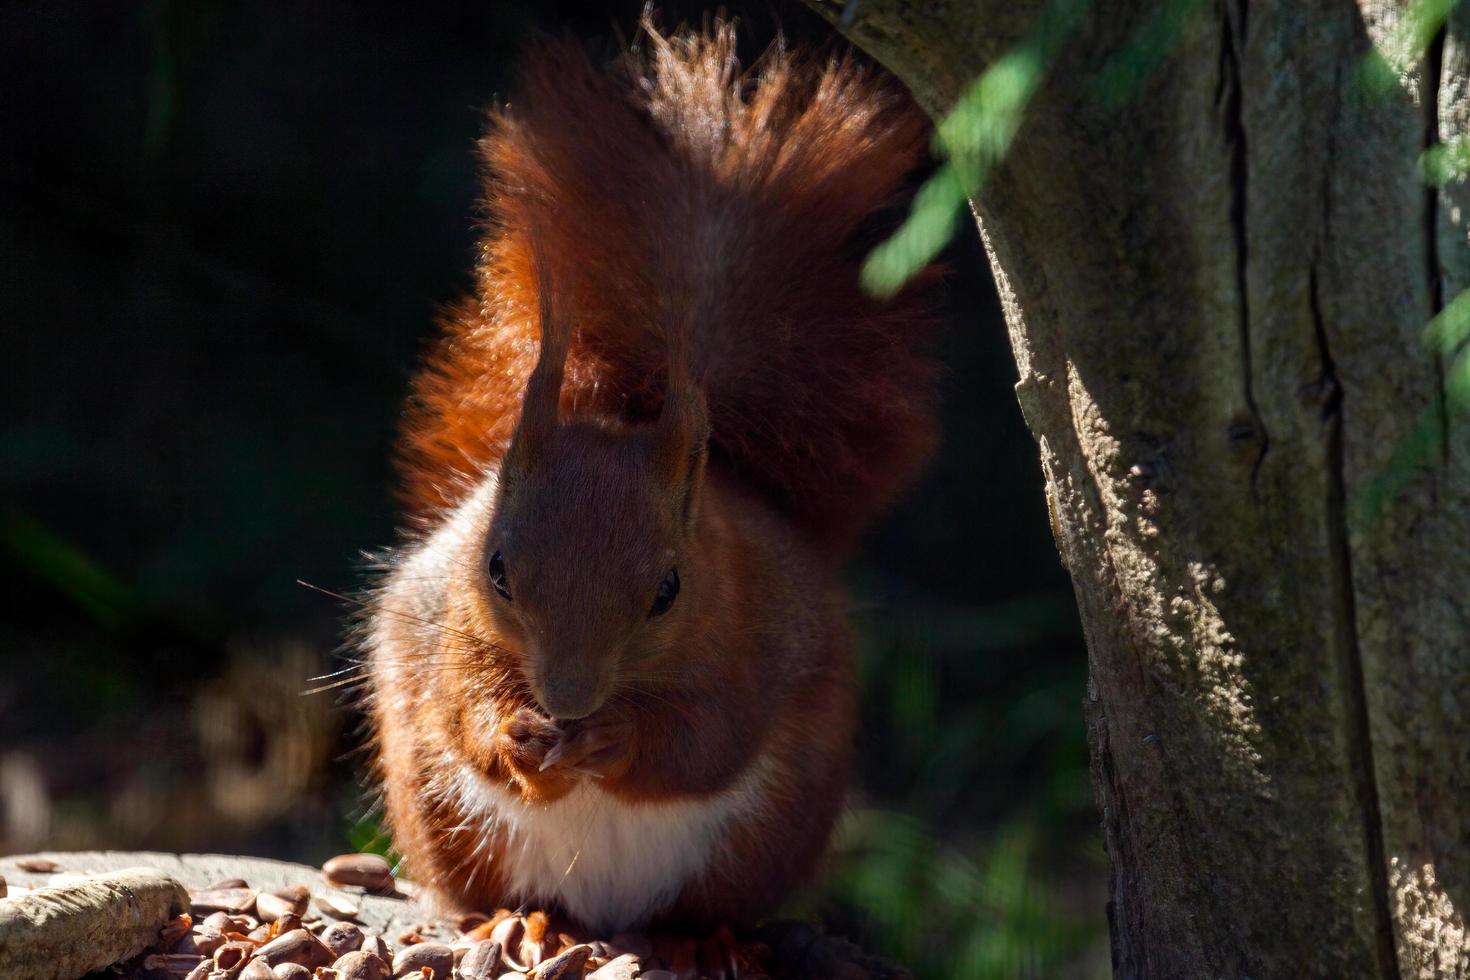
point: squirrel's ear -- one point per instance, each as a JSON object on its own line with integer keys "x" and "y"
{"x": 540, "y": 409}
{"x": 681, "y": 440}
{"x": 698, "y": 462}
{"x": 689, "y": 466}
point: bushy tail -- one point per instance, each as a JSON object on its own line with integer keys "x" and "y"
{"x": 682, "y": 197}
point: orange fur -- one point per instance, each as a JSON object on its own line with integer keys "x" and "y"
{"x": 669, "y": 368}
{"x": 681, "y": 195}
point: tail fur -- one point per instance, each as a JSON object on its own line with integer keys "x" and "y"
{"x": 679, "y": 198}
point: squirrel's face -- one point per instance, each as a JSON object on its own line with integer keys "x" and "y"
{"x": 584, "y": 559}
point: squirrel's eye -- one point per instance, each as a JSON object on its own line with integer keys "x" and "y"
{"x": 497, "y": 575}
{"x": 668, "y": 589}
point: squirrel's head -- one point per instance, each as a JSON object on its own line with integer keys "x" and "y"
{"x": 584, "y": 560}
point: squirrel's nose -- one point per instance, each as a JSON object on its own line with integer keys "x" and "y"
{"x": 566, "y": 696}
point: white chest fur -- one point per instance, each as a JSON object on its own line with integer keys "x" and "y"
{"x": 610, "y": 864}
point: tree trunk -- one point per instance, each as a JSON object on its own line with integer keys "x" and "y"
{"x": 1216, "y": 296}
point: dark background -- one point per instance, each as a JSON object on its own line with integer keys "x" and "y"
{"x": 225, "y": 228}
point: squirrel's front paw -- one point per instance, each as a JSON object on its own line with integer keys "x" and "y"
{"x": 526, "y": 738}
{"x": 600, "y": 746}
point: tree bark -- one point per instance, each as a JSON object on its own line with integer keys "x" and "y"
{"x": 1216, "y": 295}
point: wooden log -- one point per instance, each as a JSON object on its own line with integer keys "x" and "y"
{"x": 787, "y": 948}
{"x": 385, "y": 914}
{"x": 66, "y": 931}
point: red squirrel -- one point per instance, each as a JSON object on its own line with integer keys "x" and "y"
{"x": 610, "y": 672}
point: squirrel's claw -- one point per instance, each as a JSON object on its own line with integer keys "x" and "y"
{"x": 553, "y": 756}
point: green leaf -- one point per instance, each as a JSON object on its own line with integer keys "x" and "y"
{"x": 1409, "y": 454}
{"x": 1381, "y": 69}
{"x": 1449, "y": 331}
{"x": 54, "y": 560}
{"x": 930, "y": 226}
{"x": 974, "y": 136}
{"x": 367, "y": 836}
{"x": 1445, "y": 162}
{"x": 1126, "y": 69}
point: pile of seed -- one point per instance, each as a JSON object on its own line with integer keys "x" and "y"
{"x": 235, "y": 932}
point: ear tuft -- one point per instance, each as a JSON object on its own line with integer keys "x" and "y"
{"x": 540, "y": 408}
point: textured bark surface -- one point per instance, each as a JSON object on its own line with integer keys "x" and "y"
{"x": 67, "y": 931}
{"x": 1216, "y": 296}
